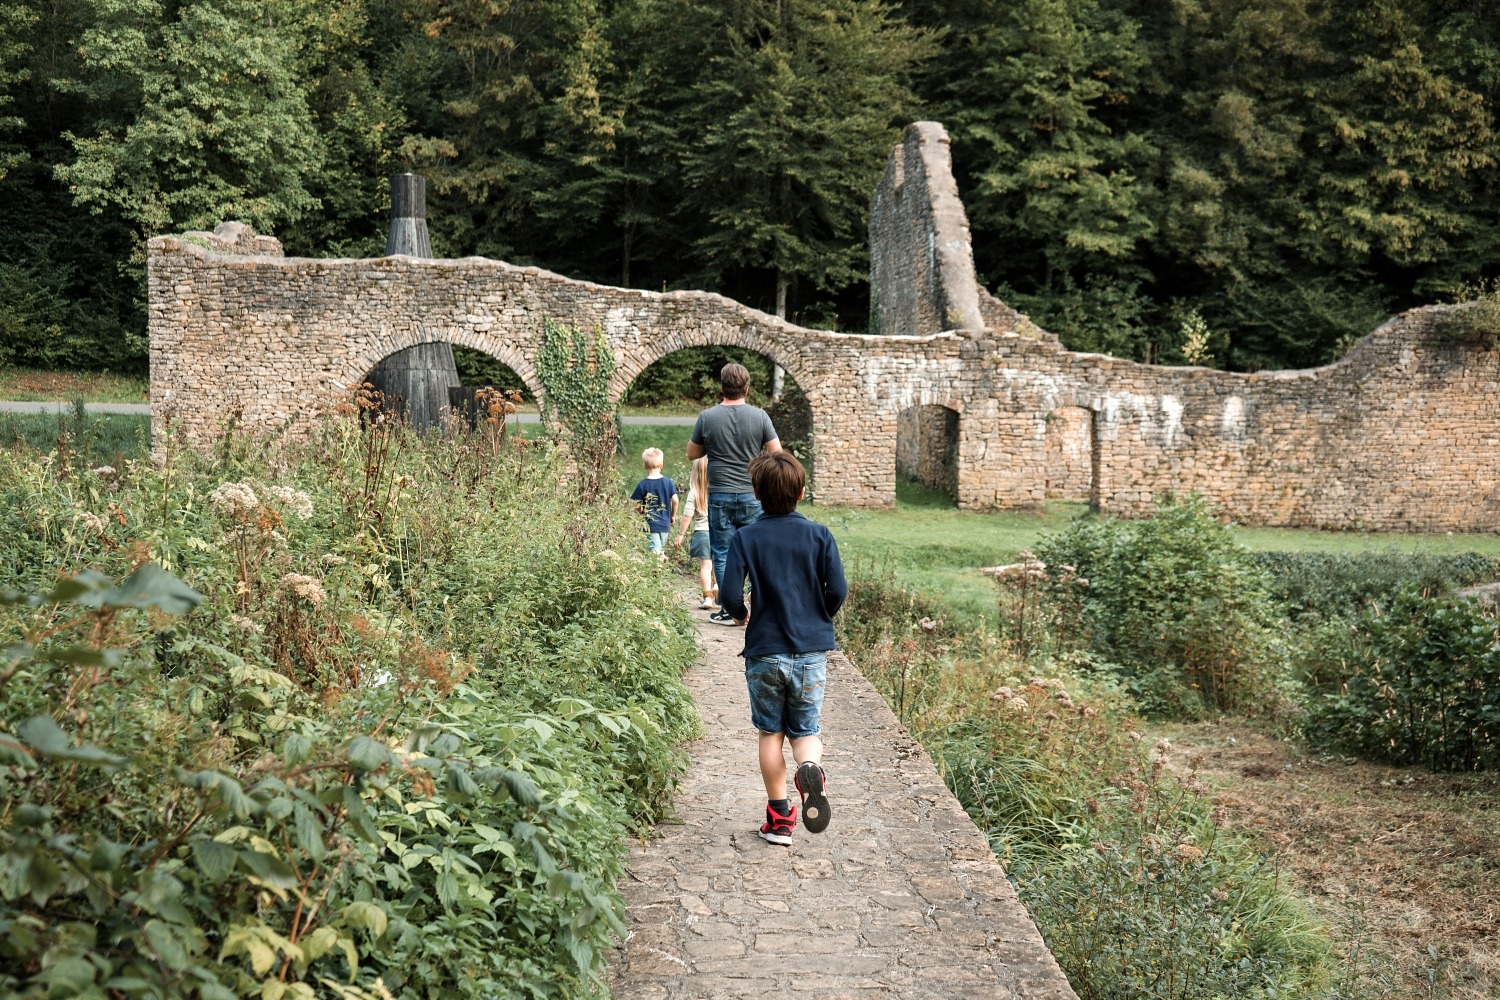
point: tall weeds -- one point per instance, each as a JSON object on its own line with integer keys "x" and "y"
{"x": 337, "y": 718}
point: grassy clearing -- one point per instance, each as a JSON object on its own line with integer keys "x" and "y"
{"x": 44, "y": 385}
{"x": 98, "y": 438}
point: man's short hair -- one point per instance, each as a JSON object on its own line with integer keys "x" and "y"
{"x": 778, "y": 479}
{"x": 734, "y": 380}
{"x": 652, "y": 458}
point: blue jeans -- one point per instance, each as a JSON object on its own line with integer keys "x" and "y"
{"x": 786, "y": 692}
{"x": 727, "y": 513}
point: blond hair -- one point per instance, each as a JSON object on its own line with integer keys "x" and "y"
{"x": 698, "y": 483}
{"x": 652, "y": 458}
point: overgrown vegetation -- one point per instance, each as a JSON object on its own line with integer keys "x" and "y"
{"x": 1034, "y": 719}
{"x": 349, "y": 724}
{"x": 78, "y": 435}
{"x": 1085, "y": 814}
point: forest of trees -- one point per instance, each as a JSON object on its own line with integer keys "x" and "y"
{"x": 1282, "y": 174}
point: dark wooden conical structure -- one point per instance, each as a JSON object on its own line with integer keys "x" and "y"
{"x": 415, "y": 381}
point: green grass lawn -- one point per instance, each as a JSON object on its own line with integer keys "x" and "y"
{"x": 101, "y": 438}
{"x": 44, "y": 385}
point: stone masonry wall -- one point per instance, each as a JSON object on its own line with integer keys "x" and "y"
{"x": 1400, "y": 434}
{"x": 1069, "y": 453}
{"x": 272, "y": 338}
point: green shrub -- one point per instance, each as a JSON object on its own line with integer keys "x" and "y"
{"x": 1422, "y": 687}
{"x": 1117, "y": 855}
{"x": 417, "y": 698}
{"x": 1318, "y": 585}
{"x": 1172, "y": 601}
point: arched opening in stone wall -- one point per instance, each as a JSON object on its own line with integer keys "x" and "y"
{"x": 417, "y": 382}
{"x": 686, "y": 381}
{"x": 1069, "y": 454}
{"x": 478, "y": 369}
{"x": 927, "y": 453}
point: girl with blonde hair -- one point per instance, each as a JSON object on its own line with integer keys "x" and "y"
{"x": 695, "y": 513}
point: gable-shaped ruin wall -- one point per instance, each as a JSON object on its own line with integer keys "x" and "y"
{"x": 1401, "y": 434}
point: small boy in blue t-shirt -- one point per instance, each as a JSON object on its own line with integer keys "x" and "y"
{"x": 797, "y": 580}
{"x": 656, "y": 498}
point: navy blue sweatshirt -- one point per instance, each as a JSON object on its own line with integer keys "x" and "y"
{"x": 796, "y": 584}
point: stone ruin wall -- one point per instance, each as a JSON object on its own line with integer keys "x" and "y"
{"x": 1401, "y": 434}
{"x": 268, "y": 341}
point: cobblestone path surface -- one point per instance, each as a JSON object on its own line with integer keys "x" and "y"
{"x": 900, "y": 897}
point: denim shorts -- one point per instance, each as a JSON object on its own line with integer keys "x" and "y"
{"x": 698, "y": 545}
{"x": 656, "y": 541}
{"x": 786, "y": 692}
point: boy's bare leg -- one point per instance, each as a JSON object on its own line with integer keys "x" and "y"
{"x": 773, "y": 760}
{"x": 808, "y": 748}
{"x": 773, "y": 766}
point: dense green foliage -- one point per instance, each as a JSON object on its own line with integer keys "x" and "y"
{"x": 1270, "y": 177}
{"x": 1085, "y": 815}
{"x": 1170, "y": 605}
{"x": 352, "y": 721}
{"x": 1312, "y": 586}
{"x": 1415, "y": 682}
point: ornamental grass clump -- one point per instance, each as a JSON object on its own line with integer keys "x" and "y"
{"x": 336, "y": 718}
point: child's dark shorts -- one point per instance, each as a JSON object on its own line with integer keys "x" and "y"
{"x": 786, "y": 692}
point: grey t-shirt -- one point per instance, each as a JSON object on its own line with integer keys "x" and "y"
{"x": 732, "y": 436}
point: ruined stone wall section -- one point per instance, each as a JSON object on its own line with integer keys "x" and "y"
{"x": 270, "y": 340}
{"x": 1401, "y": 434}
{"x": 922, "y": 278}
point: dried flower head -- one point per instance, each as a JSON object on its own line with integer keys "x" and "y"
{"x": 236, "y": 499}
{"x": 292, "y": 501}
{"x": 245, "y": 624}
{"x": 305, "y": 587}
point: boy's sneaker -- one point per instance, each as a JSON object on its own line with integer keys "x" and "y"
{"x": 722, "y": 617}
{"x": 708, "y": 604}
{"x": 815, "y": 809}
{"x": 777, "y": 829}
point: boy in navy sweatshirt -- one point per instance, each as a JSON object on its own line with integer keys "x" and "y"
{"x": 797, "y": 581}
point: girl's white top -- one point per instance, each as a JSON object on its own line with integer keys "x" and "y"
{"x": 699, "y": 514}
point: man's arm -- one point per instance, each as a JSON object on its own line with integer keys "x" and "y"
{"x": 773, "y": 445}
{"x": 696, "y": 450}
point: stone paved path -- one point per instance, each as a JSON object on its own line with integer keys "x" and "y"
{"x": 900, "y": 898}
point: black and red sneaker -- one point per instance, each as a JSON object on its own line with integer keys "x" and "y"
{"x": 815, "y": 809}
{"x": 777, "y": 829}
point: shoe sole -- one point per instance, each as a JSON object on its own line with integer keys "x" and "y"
{"x": 783, "y": 839}
{"x": 816, "y": 811}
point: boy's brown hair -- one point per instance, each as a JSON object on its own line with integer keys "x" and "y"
{"x": 734, "y": 381}
{"x": 778, "y": 479}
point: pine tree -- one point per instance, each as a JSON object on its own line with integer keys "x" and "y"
{"x": 797, "y": 105}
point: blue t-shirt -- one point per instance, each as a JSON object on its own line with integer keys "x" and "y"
{"x": 655, "y": 497}
{"x": 796, "y": 584}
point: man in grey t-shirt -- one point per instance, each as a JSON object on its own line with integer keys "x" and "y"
{"x": 730, "y": 434}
